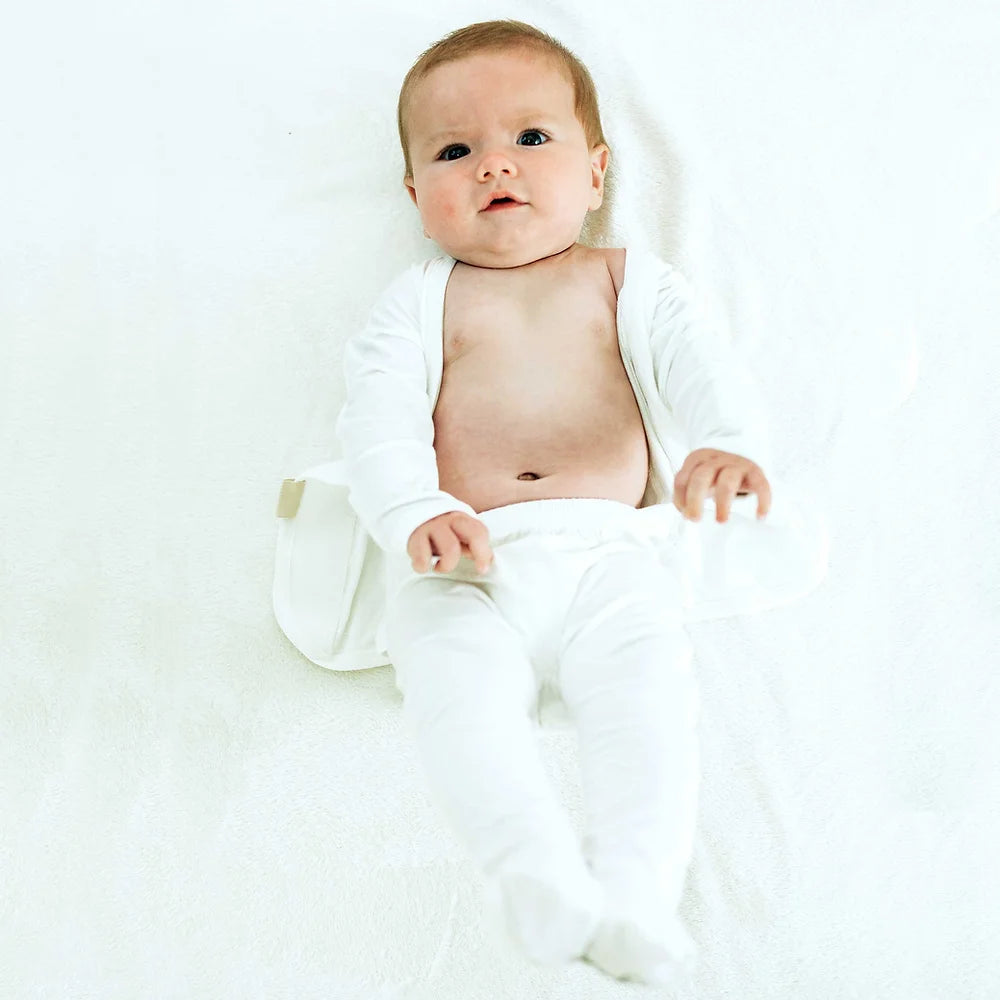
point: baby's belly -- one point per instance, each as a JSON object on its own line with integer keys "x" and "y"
{"x": 507, "y": 448}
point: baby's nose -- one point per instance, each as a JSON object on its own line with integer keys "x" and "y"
{"x": 496, "y": 165}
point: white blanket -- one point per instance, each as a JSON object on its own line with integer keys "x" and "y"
{"x": 199, "y": 209}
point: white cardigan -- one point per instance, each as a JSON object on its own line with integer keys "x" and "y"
{"x": 338, "y": 521}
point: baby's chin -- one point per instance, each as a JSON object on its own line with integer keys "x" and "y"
{"x": 514, "y": 248}
{"x": 513, "y": 257}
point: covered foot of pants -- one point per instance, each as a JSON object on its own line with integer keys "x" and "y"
{"x": 597, "y": 614}
{"x": 632, "y": 694}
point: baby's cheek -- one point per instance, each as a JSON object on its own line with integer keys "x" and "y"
{"x": 443, "y": 215}
{"x": 447, "y": 210}
{"x": 438, "y": 213}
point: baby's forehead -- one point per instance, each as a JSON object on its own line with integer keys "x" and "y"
{"x": 512, "y": 62}
{"x": 448, "y": 95}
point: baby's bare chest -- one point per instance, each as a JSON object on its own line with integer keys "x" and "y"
{"x": 535, "y": 401}
{"x": 523, "y": 328}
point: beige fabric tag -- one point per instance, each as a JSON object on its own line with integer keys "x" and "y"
{"x": 290, "y": 497}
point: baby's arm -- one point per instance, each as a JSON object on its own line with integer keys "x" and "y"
{"x": 699, "y": 376}
{"x": 386, "y": 428}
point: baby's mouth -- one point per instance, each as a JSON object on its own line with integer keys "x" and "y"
{"x": 500, "y": 204}
{"x": 501, "y": 200}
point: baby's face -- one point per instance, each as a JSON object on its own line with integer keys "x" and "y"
{"x": 501, "y": 122}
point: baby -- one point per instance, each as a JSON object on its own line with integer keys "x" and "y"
{"x": 556, "y": 565}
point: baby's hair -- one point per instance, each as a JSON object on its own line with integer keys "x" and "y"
{"x": 498, "y": 36}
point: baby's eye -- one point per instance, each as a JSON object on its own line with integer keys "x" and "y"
{"x": 445, "y": 153}
{"x": 542, "y": 137}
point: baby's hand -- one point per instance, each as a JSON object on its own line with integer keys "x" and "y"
{"x": 450, "y": 536}
{"x": 707, "y": 471}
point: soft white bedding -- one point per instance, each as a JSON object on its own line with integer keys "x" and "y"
{"x": 201, "y": 206}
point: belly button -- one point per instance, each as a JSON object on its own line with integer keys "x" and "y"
{"x": 527, "y": 475}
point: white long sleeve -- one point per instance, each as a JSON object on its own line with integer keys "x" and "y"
{"x": 385, "y": 428}
{"x": 700, "y": 378}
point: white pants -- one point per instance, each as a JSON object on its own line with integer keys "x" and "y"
{"x": 581, "y": 596}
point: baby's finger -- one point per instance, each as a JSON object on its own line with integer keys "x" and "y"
{"x": 678, "y": 496}
{"x": 482, "y": 555}
{"x": 449, "y": 547}
{"x": 698, "y": 486}
{"x": 725, "y": 487}
{"x": 420, "y": 553}
{"x": 762, "y": 488}
{"x": 681, "y": 482}
{"x": 476, "y": 541}
{"x": 478, "y": 546}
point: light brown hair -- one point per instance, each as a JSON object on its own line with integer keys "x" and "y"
{"x": 494, "y": 36}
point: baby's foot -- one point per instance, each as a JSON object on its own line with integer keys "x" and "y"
{"x": 640, "y": 938}
{"x": 550, "y": 923}
{"x": 629, "y": 949}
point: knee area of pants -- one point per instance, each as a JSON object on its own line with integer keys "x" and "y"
{"x": 658, "y": 683}
{"x": 472, "y": 708}
{"x": 439, "y": 673}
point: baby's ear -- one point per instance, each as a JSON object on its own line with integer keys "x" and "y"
{"x": 410, "y": 189}
{"x": 599, "y": 166}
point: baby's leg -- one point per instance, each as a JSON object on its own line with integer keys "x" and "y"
{"x": 626, "y": 680}
{"x": 468, "y": 690}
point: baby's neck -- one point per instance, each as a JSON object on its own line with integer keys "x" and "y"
{"x": 551, "y": 260}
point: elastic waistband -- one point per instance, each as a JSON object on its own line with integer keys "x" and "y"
{"x": 592, "y": 516}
